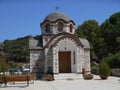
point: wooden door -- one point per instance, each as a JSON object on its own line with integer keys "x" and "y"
{"x": 64, "y": 62}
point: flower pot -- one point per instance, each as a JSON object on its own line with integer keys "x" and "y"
{"x": 88, "y": 77}
{"x": 49, "y": 79}
{"x": 103, "y": 77}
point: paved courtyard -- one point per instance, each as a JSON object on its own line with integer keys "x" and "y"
{"x": 113, "y": 83}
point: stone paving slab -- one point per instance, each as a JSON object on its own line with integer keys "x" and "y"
{"x": 113, "y": 83}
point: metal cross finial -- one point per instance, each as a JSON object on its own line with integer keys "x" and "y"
{"x": 56, "y": 8}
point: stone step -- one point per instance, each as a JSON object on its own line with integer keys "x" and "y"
{"x": 67, "y": 76}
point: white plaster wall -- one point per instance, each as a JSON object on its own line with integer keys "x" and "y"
{"x": 54, "y": 28}
{"x": 66, "y": 29}
{"x": 44, "y": 42}
{"x": 73, "y": 30}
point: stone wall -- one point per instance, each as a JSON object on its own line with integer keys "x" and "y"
{"x": 115, "y": 72}
{"x": 81, "y": 59}
{"x": 55, "y": 60}
{"x": 87, "y": 60}
{"x": 36, "y": 61}
{"x": 49, "y": 61}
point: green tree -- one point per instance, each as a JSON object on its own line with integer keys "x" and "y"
{"x": 1, "y": 46}
{"x": 113, "y": 60}
{"x": 3, "y": 64}
{"x": 12, "y": 64}
{"x": 111, "y": 33}
{"x": 17, "y": 50}
{"x": 90, "y": 30}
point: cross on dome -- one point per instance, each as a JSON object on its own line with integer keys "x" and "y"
{"x": 57, "y": 8}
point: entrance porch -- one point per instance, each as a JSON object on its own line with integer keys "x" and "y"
{"x": 67, "y": 76}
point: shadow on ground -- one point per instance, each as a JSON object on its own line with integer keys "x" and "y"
{"x": 23, "y": 86}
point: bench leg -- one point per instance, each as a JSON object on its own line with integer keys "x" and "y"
{"x": 27, "y": 80}
{"x": 5, "y": 81}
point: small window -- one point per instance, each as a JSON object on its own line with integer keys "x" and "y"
{"x": 47, "y": 28}
{"x": 60, "y": 27}
{"x": 71, "y": 28}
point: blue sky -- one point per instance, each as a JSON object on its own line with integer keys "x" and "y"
{"x": 19, "y": 18}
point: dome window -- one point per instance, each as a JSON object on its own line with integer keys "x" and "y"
{"x": 71, "y": 28}
{"x": 47, "y": 28}
{"x": 60, "y": 27}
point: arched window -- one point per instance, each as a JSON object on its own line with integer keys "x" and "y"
{"x": 47, "y": 28}
{"x": 71, "y": 28}
{"x": 60, "y": 27}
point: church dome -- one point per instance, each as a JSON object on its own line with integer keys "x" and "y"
{"x": 53, "y": 17}
{"x": 57, "y": 15}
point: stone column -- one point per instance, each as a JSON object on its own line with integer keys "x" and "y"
{"x": 45, "y": 58}
{"x": 81, "y": 59}
{"x": 77, "y": 60}
{"x": 87, "y": 60}
{"x": 55, "y": 61}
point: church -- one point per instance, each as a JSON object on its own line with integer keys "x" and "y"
{"x": 58, "y": 49}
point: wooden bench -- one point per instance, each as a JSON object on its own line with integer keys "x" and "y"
{"x": 17, "y": 78}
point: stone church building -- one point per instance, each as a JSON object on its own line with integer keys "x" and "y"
{"x": 58, "y": 49}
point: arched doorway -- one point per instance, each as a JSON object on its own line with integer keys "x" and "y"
{"x": 66, "y": 48}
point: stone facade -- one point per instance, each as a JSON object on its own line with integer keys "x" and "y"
{"x": 58, "y": 36}
{"x": 36, "y": 61}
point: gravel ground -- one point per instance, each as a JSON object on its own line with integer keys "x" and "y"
{"x": 112, "y": 83}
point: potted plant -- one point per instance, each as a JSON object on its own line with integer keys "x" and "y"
{"x": 84, "y": 72}
{"x": 88, "y": 77}
{"x": 49, "y": 77}
{"x": 104, "y": 70}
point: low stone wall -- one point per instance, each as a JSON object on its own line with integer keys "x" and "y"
{"x": 94, "y": 71}
{"x": 115, "y": 72}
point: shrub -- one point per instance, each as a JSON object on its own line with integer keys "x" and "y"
{"x": 104, "y": 69}
{"x": 113, "y": 60}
